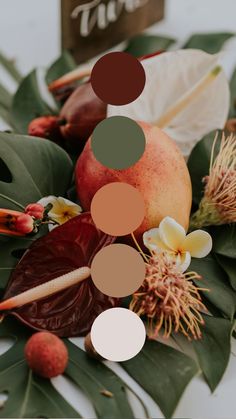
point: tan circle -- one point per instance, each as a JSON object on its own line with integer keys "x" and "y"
{"x": 118, "y": 270}
{"x": 118, "y": 209}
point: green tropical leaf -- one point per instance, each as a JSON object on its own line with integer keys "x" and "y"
{"x": 209, "y": 42}
{"x": 5, "y": 97}
{"x": 148, "y": 44}
{"x": 27, "y": 103}
{"x": 96, "y": 380}
{"x": 229, "y": 266}
{"x": 10, "y": 252}
{"x": 163, "y": 372}
{"x": 198, "y": 165}
{"x": 213, "y": 350}
{"x": 233, "y": 95}
{"x": 29, "y": 396}
{"x": 220, "y": 294}
{"x": 224, "y": 240}
{"x": 34, "y": 168}
{"x": 11, "y": 68}
{"x": 30, "y": 168}
{"x": 61, "y": 66}
{"x": 4, "y": 114}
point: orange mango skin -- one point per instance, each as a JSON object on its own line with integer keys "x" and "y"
{"x": 161, "y": 175}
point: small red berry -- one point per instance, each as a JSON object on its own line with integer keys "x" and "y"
{"x": 46, "y": 354}
{"x": 35, "y": 210}
{"x": 24, "y": 224}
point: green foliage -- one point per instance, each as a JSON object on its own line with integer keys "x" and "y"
{"x": 220, "y": 294}
{"x": 34, "y": 167}
{"x": 213, "y": 350}
{"x": 148, "y": 44}
{"x": 163, "y": 372}
{"x": 61, "y": 66}
{"x": 29, "y": 396}
{"x": 209, "y": 42}
{"x": 28, "y": 103}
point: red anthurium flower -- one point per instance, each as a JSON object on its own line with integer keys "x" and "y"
{"x": 70, "y": 246}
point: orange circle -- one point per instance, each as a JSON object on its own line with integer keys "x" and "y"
{"x": 118, "y": 270}
{"x": 118, "y": 209}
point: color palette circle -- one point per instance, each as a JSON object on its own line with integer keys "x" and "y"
{"x": 117, "y": 209}
{"x": 118, "y": 78}
{"x": 118, "y": 270}
{"x": 118, "y": 142}
{"x": 118, "y": 334}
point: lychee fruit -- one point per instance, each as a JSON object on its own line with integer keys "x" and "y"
{"x": 46, "y": 354}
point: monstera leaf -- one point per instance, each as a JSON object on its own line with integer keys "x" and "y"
{"x": 70, "y": 246}
{"x": 28, "y": 395}
{"x": 30, "y": 169}
{"x": 163, "y": 372}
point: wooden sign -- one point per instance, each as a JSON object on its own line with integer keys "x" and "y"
{"x": 90, "y": 27}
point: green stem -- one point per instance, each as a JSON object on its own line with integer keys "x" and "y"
{"x": 12, "y": 201}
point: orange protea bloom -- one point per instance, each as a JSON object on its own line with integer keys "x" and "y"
{"x": 218, "y": 205}
{"x": 169, "y": 299}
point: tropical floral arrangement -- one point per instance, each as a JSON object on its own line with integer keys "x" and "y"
{"x": 188, "y": 241}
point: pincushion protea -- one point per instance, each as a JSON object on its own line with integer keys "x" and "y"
{"x": 169, "y": 299}
{"x": 218, "y": 205}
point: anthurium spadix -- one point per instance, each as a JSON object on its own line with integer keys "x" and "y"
{"x": 186, "y": 94}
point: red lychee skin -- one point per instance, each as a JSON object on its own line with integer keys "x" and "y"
{"x": 46, "y": 354}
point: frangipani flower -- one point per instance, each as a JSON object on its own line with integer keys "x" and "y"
{"x": 171, "y": 238}
{"x": 62, "y": 209}
{"x": 169, "y": 299}
{"x": 218, "y": 205}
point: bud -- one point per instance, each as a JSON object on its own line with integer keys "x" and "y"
{"x": 24, "y": 224}
{"x": 35, "y": 210}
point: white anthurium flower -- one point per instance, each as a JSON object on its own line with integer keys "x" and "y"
{"x": 62, "y": 209}
{"x": 186, "y": 94}
{"x": 171, "y": 238}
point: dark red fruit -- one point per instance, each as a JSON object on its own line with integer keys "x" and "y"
{"x": 80, "y": 115}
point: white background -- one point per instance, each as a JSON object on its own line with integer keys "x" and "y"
{"x": 29, "y": 33}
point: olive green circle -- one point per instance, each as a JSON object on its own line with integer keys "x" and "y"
{"x": 118, "y": 142}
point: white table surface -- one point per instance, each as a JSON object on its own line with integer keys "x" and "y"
{"x": 29, "y": 32}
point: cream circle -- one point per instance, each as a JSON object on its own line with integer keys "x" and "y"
{"x": 118, "y": 334}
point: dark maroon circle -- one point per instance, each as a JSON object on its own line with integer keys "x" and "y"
{"x": 118, "y": 78}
